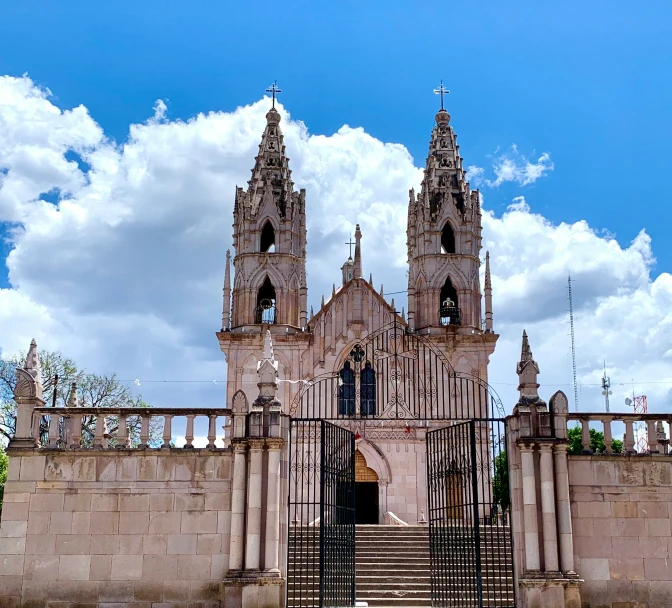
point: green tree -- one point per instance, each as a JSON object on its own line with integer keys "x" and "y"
{"x": 4, "y": 465}
{"x": 500, "y": 485}
{"x": 93, "y": 390}
{"x": 596, "y": 441}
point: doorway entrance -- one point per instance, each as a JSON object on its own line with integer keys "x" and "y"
{"x": 366, "y": 492}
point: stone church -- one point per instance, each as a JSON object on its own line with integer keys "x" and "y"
{"x": 342, "y": 361}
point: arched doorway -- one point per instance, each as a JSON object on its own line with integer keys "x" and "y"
{"x": 366, "y": 492}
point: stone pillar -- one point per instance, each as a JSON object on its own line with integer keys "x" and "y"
{"x": 530, "y": 524}
{"x": 254, "y": 497}
{"x": 237, "y": 540}
{"x": 271, "y": 554}
{"x": 566, "y": 544}
{"x": 548, "y": 520}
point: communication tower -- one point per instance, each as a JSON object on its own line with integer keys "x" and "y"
{"x": 639, "y": 428}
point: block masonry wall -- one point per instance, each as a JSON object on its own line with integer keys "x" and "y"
{"x": 113, "y": 528}
{"x": 621, "y": 509}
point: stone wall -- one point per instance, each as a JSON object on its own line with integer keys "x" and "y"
{"x": 621, "y": 507}
{"x": 115, "y": 527}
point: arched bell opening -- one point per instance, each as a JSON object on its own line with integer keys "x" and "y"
{"x": 267, "y": 238}
{"x": 265, "y": 311}
{"x": 449, "y": 311}
{"x": 448, "y": 239}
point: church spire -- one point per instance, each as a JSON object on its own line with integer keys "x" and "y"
{"x": 271, "y": 176}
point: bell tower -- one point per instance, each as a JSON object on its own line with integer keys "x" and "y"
{"x": 444, "y": 243}
{"x": 269, "y": 241}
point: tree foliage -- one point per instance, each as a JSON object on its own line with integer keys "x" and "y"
{"x": 4, "y": 465}
{"x": 596, "y": 441}
{"x": 93, "y": 390}
{"x": 500, "y": 482}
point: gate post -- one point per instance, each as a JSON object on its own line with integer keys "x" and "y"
{"x": 539, "y": 496}
{"x": 256, "y": 576}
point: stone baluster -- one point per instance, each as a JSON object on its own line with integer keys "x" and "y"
{"x": 608, "y": 439}
{"x": 212, "y": 430}
{"x": 54, "y": 429}
{"x": 144, "y": 431}
{"x": 531, "y": 525}
{"x": 237, "y": 539}
{"x": 271, "y": 555}
{"x": 663, "y": 441}
{"x": 99, "y": 433}
{"x": 122, "y": 432}
{"x": 548, "y": 517}
{"x": 35, "y": 432}
{"x": 254, "y": 498}
{"x": 167, "y": 430}
{"x": 585, "y": 437}
{"x": 652, "y": 436}
{"x": 629, "y": 443}
{"x": 189, "y": 433}
{"x": 76, "y": 440}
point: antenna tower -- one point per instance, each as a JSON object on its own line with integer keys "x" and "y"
{"x": 639, "y": 428}
{"x": 606, "y": 385}
{"x": 571, "y": 325}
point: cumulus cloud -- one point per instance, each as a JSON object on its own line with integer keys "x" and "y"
{"x": 511, "y": 166}
{"x": 117, "y": 248}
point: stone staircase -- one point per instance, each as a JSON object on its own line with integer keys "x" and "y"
{"x": 393, "y": 567}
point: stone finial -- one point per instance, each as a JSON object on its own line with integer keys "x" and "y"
{"x": 527, "y": 370}
{"x": 312, "y": 314}
{"x": 267, "y": 371}
{"x": 268, "y": 349}
{"x": 526, "y": 351}
{"x": 358, "y": 253}
{"x": 226, "y": 309}
{"x": 371, "y": 279}
{"x": 29, "y": 378}
{"x": 488, "y": 295}
{"x": 73, "y": 399}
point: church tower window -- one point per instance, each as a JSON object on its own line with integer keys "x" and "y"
{"x": 447, "y": 239}
{"x": 265, "y": 312}
{"x": 267, "y": 238}
{"x": 368, "y": 390}
{"x": 346, "y": 391}
{"x": 449, "y": 311}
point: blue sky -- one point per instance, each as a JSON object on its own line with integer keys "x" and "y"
{"x": 585, "y": 82}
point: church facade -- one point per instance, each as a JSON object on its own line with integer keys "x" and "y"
{"x": 357, "y": 359}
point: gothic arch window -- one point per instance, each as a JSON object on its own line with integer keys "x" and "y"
{"x": 346, "y": 391}
{"x": 265, "y": 311}
{"x": 368, "y": 390}
{"x": 267, "y": 238}
{"x": 449, "y": 311}
{"x": 447, "y": 239}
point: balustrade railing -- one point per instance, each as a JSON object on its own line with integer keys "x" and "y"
{"x": 643, "y": 433}
{"x": 127, "y": 428}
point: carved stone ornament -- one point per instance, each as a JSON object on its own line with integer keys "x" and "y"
{"x": 239, "y": 403}
{"x": 26, "y": 385}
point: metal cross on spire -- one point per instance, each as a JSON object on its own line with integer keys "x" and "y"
{"x": 351, "y": 243}
{"x": 273, "y": 89}
{"x": 441, "y": 91}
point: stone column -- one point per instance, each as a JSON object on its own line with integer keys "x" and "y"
{"x": 530, "y": 524}
{"x": 548, "y": 520}
{"x": 237, "y": 507}
{"x": 566, "y": 544}
{"x": 253, "y": 537}
{"x": 271, "y": 554}
{"x": 28, "y": 396}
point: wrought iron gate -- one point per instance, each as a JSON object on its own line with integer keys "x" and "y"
{"x": 471, "y": 553}
{"x": 321, "y": 543}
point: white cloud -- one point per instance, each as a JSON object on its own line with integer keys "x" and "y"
{"x": 124, "y": 274}
{"x": 511, "y": 166}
